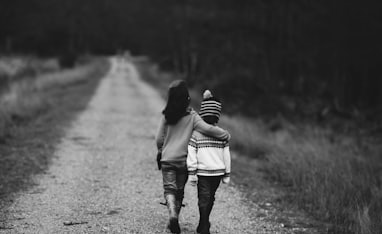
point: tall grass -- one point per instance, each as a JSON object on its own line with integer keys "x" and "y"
{"x": 16, "y": 66}
{"x": 25, "y": 98}
{"x": 335, "y": 176}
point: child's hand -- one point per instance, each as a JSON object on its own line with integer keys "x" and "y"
{"x": 226, "y": 180}
{"x": 193, "y": 179}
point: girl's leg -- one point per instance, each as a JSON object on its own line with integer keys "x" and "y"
{"x": 181, "y": 180}
{"x": 169, "y": 173}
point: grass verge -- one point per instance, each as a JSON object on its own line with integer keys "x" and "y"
{"x": 34, "y": 116}
{"x": 334, "y": 176}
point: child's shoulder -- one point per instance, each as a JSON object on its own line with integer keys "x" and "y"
{"x": 197, "y": 135}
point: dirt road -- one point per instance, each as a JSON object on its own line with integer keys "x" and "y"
{"x": 103, "y": 177}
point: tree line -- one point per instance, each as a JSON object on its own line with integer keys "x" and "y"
{"x": 245, "y": 49}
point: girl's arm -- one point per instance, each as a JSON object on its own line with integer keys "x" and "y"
{"x": 161, "y": 134}
{"x": 209, "y": 130}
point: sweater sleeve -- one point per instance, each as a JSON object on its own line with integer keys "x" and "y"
{"x": 161, "y": 134}
{"x": 210, "y": 130}
{"x": 227, "y": 160}
{"x": 192, "y": 161}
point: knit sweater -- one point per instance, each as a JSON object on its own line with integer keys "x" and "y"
{"x": 172, "y": 140}
{"x": 208, "y": 156}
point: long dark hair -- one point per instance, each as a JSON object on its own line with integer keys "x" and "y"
{"x": 178, "y": 101}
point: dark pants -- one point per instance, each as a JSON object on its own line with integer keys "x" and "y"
{"x": 207, "y": 186}
{"x": 175, "y": 177}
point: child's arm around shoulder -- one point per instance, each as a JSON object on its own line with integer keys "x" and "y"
{"x": 209, "y": 130}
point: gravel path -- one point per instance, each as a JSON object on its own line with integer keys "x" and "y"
{"x": 103, "y": 178}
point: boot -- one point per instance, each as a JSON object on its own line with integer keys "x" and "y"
{"x": 173, "y": 224}
{"x": 178, "y": 206}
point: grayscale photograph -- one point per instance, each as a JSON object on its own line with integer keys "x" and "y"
{"x": 190, "y": 116}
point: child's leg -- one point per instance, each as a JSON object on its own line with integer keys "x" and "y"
{"x": 214, "y": 184}
{"x": 169, "y": 173}
{"x": 207, "y": 186}
{"x": 204, "y": 193}
{"x": 169, "y": 179}
{"x": 181, "y": 180}
{"x": 175, "y": 177}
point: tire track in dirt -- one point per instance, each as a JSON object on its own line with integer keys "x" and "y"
{"x": 103, "y": 177}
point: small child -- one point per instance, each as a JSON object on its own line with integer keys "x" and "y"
{"x": 208, "y": 161}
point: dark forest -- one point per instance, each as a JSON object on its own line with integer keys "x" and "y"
{"x": 327, "y": 50}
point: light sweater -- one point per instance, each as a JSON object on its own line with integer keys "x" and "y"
{"x": 172, "y": 140}
{"x": 208, "y": 156}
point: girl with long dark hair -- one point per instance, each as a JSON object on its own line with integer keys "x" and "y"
{"x": 174, "y": 133}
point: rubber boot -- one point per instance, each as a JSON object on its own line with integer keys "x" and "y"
{"x": 173, "y": 223}
{"x": 179, "y": 203}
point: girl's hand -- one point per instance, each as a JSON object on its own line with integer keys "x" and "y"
{"x": 226, "y": 180}
{"x": 193, "y": 179}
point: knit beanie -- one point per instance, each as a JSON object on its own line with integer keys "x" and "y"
{"x": 210, "y": 105}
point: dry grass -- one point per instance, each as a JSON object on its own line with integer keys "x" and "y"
{"x": 14, "y": 67}
{"x": 336, "y": 177}
{"x": 34, "y": 117}
{"x": 25, "y": 98}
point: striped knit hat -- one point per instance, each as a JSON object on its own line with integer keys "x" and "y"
{"x": 210, "y": 105}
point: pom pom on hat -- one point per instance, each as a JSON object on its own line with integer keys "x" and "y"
{"x": 207, "y": 94}
{"x": 210, "y": 106}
